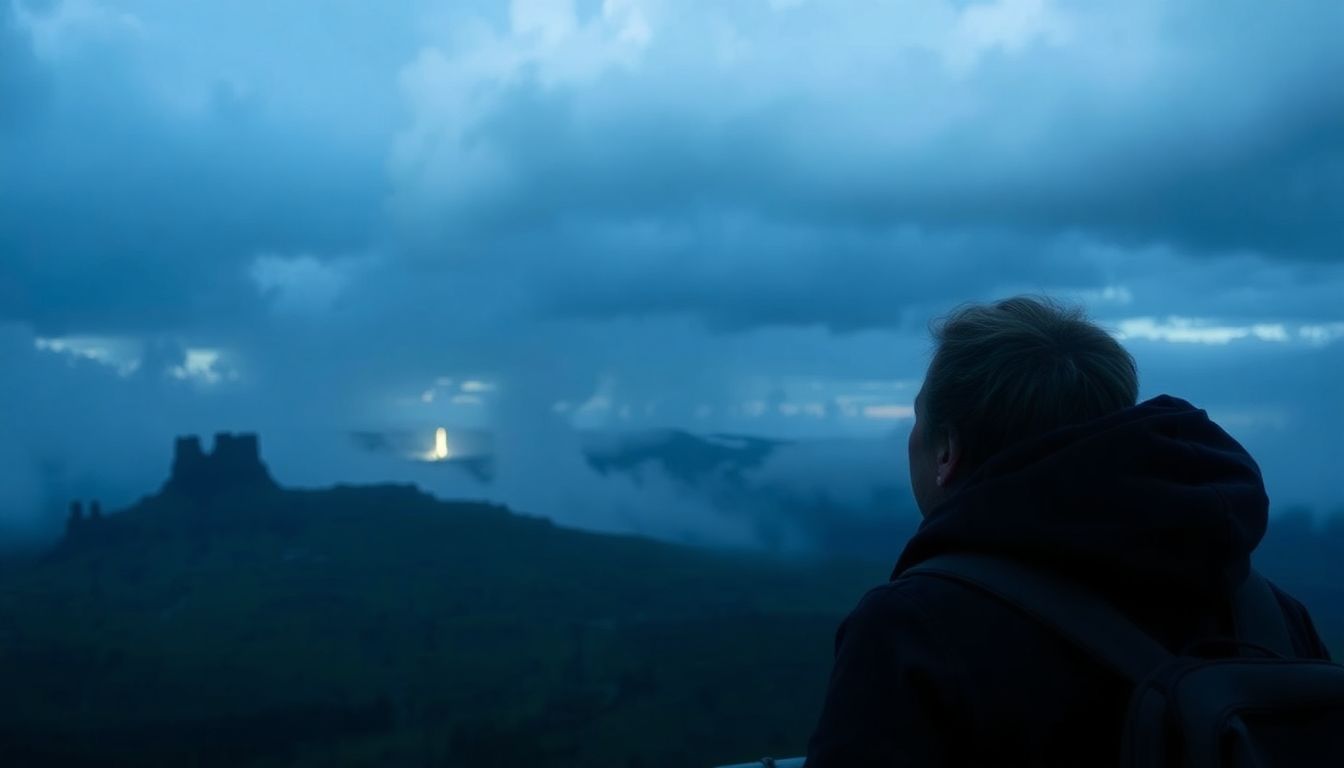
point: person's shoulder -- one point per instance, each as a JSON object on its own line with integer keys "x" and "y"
{"x": 1290, "y": 605}
{"x": 909, "y": 602}
{"x": 893, "y": 631}
{"x": 896, "y": 598}
{"x": 1306, "y": 641}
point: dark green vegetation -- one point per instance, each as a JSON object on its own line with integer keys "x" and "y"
{"x": 379, "y": 626}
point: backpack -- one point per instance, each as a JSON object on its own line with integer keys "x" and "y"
{"x": 1252, "y": 706}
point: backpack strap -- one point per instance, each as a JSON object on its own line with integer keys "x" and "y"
{"x": 1079, "y": 616}
{"x": 1258, "y": 617}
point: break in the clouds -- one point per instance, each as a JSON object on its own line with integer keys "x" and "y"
{"x": 713, "y": 215}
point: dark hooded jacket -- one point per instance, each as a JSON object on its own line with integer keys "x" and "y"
{"x": 1155, "y": 508}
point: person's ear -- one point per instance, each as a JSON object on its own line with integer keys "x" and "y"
{"x": 949, "y": 458}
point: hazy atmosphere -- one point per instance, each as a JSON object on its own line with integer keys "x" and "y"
{"x": 530, "y": 383}
{"x": 544, "y": 219}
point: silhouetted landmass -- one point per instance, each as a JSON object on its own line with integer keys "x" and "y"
{"x": 233, "y": 466}
{"x": 685, "y": 457}
{"x": 214, "y": 624}
{"x": 869, "y": 526}
{"x": 228, "y": 621}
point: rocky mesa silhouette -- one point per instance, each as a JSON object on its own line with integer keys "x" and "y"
{"x": 227, "y": 620}
{"x": 234, "y": 465}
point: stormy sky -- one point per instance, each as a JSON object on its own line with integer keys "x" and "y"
{"x": 305, "y": 219}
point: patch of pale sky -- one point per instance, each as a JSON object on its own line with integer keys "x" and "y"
{"x": 1253, "y": 418}
{"x": 303, "y": 284}
{"x": 67, "y": 26}
{"x": 1321, "y": 334}
{"x": 889, "y": 412}
{"x": 1106, "y": 296}
{"x": 450, "y": 87}
{"x": 1006, "y": 25}
{"x": 126, "y": 355}
{"x": 203, "y": 366}
{"x": 121, "y": 354}
{"x": 1191, "y": 330}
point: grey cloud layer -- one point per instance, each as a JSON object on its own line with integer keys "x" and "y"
{"x": 1213, "y": 131}
{"x": 843, "y": 159}
{"x": 679, "y": 195}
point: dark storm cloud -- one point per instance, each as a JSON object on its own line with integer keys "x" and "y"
{"x": 122, "y": 211}
{"x": 842, "y": 160}
{"x": 746, "y": 169}
{"x": 1180, "y": 168}
{"x": 654, "y": 200}
{"x": 739, "y": 272}
{"x": 1214, "y": 131}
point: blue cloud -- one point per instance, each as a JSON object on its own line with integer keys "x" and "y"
{"x": 678, "y": 197}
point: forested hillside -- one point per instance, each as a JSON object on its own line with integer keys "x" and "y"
{"x": 379, "y": 625}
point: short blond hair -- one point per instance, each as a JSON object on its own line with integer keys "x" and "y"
{"x": 1021, "y": 367}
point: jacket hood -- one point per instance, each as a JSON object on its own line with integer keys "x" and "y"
{"x": 1153, "y": 502}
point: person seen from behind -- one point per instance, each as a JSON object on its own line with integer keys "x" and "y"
{"x": 1029, "y": 446}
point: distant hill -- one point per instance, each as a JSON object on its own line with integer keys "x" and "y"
{"x": 685, "y": 457}
{"x": 225, "y": 620}
{"x": 828, "y": 495}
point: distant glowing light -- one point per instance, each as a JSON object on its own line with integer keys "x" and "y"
{"x": 441, "y": 451}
